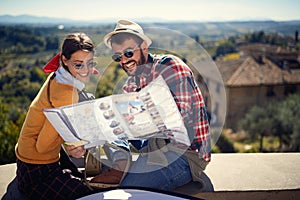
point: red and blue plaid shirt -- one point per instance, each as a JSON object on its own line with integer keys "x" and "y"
{"x": 186, "y": 93}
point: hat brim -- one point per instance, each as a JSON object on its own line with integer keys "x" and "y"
{"x": 108, "y": 36}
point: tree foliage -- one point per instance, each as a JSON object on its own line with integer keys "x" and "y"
{"x": 225, "y": 145}
{"x": 11, "y": 122}
{"x": 289, "y": 115}
{"x": 257, "y": 123}
{"x": 19, "y": 40}
{"x": 262, "y": 37}
{"x": 224, "y": 48}
{"x": 278, "y": 119}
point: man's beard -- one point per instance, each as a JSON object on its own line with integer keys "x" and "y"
{"x": 140, "y": 65}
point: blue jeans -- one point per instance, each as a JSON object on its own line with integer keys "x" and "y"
{"x": 176, "y": 174}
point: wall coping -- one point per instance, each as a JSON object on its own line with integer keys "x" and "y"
{"x": 231, "y": 172}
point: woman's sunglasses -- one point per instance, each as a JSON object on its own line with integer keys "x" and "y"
{"x": 89, "y": 65}
{"x": 128, "y": 53}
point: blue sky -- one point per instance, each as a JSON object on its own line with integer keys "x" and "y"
{"x": 199, "y": 10}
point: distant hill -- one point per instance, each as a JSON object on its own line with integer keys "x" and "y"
{"x": 217, "y": 30}
{"x": 28, "y": 19}
{"x": 38, "y": 20}
{"x": 203, "y": 29}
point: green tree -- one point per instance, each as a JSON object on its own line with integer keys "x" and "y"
{"x": 225, "y": 145}
{"x": 9, "y": 131}
{"x": 225, "y": 48}
{"x": 289, "y": 115}
{"x": 277, "y": 125}
{"x": 257, "y": 123}
{"x": 278, "y": 119}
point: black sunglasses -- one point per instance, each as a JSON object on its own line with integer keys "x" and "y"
{"x": 128, "y": 53}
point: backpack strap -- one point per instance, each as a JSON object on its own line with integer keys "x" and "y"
{"x": 48, "y": 89}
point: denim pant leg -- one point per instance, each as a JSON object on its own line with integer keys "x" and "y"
{"x": 141, "y": 174}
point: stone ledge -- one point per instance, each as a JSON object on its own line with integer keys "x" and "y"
{"x": 250, "y": 195}
{"x": 254, "y": 171}
{"x": 234, "y": 175}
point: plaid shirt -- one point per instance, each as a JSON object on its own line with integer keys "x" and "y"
{"x": 186, "y": 93}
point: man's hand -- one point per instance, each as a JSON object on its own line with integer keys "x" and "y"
{"x": 76, "y": 152}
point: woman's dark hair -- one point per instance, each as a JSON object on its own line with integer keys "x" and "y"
{"x": 74, "y": 42}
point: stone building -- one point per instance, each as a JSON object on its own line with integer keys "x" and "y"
{"x": 261, "y": 74}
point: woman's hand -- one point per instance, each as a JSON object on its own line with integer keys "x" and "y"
{"x": 76, "y": 152}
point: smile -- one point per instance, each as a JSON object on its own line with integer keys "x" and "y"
{"x": 130, "y": 65}
{"x": 83, "y": 74}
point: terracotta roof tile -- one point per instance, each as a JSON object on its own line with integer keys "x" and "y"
{"x": 251, "y": 71}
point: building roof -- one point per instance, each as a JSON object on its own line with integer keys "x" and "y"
{"x": 271, "y": 68}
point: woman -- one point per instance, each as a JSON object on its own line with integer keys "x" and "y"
{"x": 39, "y": 173}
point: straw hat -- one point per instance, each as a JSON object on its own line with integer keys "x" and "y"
{"x": 126, "y": 26}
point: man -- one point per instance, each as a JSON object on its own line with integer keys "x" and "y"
{"x": 184, "y": 163}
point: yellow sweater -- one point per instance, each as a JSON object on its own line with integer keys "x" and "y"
{"x": 39, "y": 142}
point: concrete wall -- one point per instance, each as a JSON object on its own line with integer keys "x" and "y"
{"x": 234, "y": 176}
